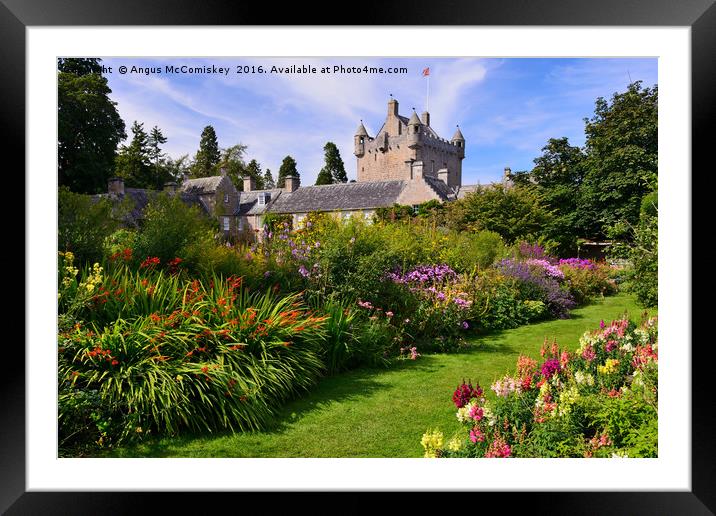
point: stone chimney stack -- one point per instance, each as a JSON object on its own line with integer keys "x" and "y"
{"x": 416, "y": 170}
{"x": 443, "y": 175}
{"x": 392, "y": 108}
{"x": 507, "y": 173}
{"x": 425, "y": 118}
{"x": 170, "y": 188}
{"x": 291, "y": 183}
{"x": 115, "y": 187}
{"x": 222, "y": 171}
{"x": 249, "y": 184}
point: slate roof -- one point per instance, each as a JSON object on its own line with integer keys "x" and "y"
{"x": 201, "y": 185}
{"x": 249, "y": 201}
{"x": 466, "y": 189}
{"x": 444, "y": 191}
{"x": 344, "y": 196}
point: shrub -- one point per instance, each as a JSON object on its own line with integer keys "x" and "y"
{"x": 83, "y": 225}
{"x": 170, "y": 227}
{"x": 586, "y": 279}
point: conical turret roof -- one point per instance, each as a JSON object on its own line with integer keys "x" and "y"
{"x": 414, "y": 119}
{"x": 458, "y": 135}
{"x": 361, "y": 130}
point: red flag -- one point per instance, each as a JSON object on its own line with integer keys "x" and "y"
{"x": 426, "y": 71}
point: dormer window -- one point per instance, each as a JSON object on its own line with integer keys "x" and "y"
{"x": 226, "y": 198}
{"x": 264, "y": 198}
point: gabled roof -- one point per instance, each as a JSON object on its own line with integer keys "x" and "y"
{"x": 249, "y": 201}
{"x": 439, "y": 187}
{"x": 343, "y": 196}
{"x": 201, "y": 185}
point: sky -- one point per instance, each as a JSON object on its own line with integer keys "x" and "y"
{"x": 507, "y": 109}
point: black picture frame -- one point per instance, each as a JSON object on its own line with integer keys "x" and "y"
{"x": 699, "y": 15}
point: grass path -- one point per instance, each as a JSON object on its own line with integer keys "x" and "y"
{"x": 384, "y": 413}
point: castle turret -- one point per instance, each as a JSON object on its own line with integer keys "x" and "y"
{"x": 414, "y": 136}
{"x": 359, "y": 140}
{"x": 459, "y": 141}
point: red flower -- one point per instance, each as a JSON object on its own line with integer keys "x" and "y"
{"x": 115, "y": 362}
{"x": 150, "y": 262}
{"x": 204, "y": 369}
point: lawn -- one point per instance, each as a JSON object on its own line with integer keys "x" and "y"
{"x": 384, "y": 413}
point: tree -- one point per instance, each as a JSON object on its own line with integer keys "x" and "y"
{"x": 232, "y": 160}
{"x": 514, "y": 213}
{"x": 89, "y": 126}
{"x": 157, "y": 157}
{"x": 288, "y": 168}
{"x": 621, "y": 159}
{"x": 324, "y": 177}
{"x": 268, "y": 180}
{"x": 133, "y": 162}
{"x": 208, "y": 155}
{"x": 558, "y": 174}
{"x": 253, "y": 169}
{"x": 334, "y": 170}
{"x": 177, "y": 168}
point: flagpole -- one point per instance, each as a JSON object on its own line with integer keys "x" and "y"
{"x": 427, "y": 95}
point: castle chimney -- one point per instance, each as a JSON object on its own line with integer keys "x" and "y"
{"x": 392, "y": 107}
{"x": 416, "y": 170}
{"x": 508, "y": 173}
{"x": 170, "y": 188}
{"x": 291, "y": 183}
{"x": 222, "y": 171}
{"x": 249, "y": 184}
{"x": 443, "y": 175}
{"x": 115, "y": 187}
{"x": 425, "y": 118}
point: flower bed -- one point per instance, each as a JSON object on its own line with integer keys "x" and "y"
{"x": 597, "y": 401}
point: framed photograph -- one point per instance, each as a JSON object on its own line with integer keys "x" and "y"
{"x": 208, "y": 324}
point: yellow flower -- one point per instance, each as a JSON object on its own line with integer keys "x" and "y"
{"x": 432, "y": 442}
{"x": 455, "y": 443}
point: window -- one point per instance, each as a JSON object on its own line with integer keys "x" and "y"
{"x": 226, "y": 198}
{"x": 225, "y": 222}
{"x": 416, "y": 207}
{"x": 264, "y": 198}
{"x": 300, "y": 220}
{"x": 240, "y": 223}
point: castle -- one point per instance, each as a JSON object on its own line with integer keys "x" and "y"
{"x": 406, "y": 163}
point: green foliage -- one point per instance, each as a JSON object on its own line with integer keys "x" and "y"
{"x": 585, "y": 285}
{"x": 644, "y": 256}
{"x": 133, "y": 162}
{"x": 269, "y": 182}
{"x": 83, "y": 224}
{"x": 89, "y": 126}
{"x": 558, "y": 174}
{"x": 621, "y": 163}
{"x": 253, "y": 169}
{"x": 514, "y": 213}
{"x": 208, "y": 155}
{"x": 171, "y": 227}
{"x": 288, "y": 168}
{"x": 334, "y": 170}
{"x": 232, "y": 161}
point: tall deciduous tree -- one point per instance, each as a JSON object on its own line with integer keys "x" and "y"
{"x": 334, "y": 170}
{"x": 89, "y": 126}
{"x": 133, "y": 162}
{"x": 621, "y": 159}
{"x": 232, "y": 160}
{"x": 558, "y": 174}
{"x": 288, "y": 168}
{"x": 208, "y": 155}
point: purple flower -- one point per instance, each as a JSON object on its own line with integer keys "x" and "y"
{"x": 550, "y": 368}
{"x": 465, "y": 326}
{"x": 303, "y": 271}
{"x": 267, "y": 274}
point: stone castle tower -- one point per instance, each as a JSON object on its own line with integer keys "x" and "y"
{"x": 403, "y": 143}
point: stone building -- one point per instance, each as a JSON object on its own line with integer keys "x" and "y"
{"x": 403, "y": 141}
{"x": 405, "y": 163}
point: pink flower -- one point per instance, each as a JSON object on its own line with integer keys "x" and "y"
{"x": 476, "y": 435}
{"x": 389, "y": 314}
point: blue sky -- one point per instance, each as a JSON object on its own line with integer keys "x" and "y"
{"x": 506, "y": 108}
